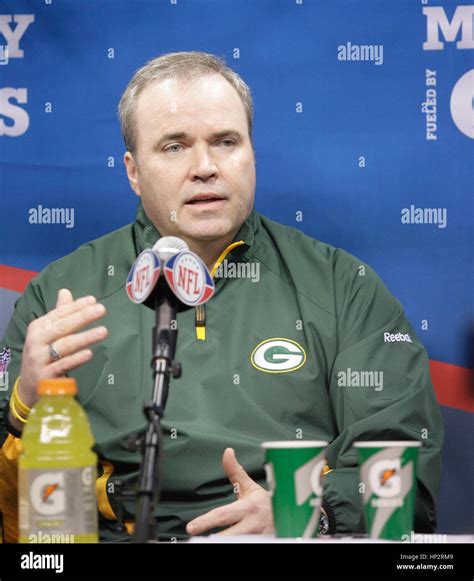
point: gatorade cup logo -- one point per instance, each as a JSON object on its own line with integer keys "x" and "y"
{"x": 278, "y": 356}
{"x": 47, "y": 494}
{"x": 308, "y": 479}
{"x": 309, "y": 490}
{"x": 387, "y": 480}
{"x": 302, "y": 490}
{"x": 388, "y": 486}
{"x": 384, "y": 478}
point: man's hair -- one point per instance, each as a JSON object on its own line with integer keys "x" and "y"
{"x": 182, "y": 66}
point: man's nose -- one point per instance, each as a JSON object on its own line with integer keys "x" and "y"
{"x": 203, "y": 166}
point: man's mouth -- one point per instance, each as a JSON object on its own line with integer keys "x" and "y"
{"x": 205, "y": 200}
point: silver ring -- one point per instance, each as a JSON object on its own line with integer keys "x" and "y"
{"x": 53, "y": 353}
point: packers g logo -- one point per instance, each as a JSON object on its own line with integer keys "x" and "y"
{"x": 278, "y": 355}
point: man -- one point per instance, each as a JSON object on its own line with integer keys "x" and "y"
{"x": 265, "y": 359}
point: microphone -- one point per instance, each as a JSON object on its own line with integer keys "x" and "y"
{"x": 185, "y": 282}
{"x": 164, "y": 249}
{"x": 186, "y": 274}
{"x": 184, "y": 271}
{"x": 147, "y": 267}
{"x": 164, "y": 301}
{"x": 153, "y": 291}
{"x": 168, "y": 246}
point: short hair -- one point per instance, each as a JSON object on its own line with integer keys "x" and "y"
{"x": 183, "y": 66}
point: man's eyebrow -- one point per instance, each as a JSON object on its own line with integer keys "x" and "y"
{"x": 226, "y": 133}
{"x": 182, "y": 135}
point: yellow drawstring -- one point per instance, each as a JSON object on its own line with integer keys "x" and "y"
{"x": 200, "y": 320}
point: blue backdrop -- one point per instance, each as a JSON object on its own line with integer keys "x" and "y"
{"x": 363, "y": 125}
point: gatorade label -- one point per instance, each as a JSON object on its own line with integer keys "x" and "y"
{"x": 57, "y": 502}
{"x": 389, "y": 477}
{"x": 294, "y": 478}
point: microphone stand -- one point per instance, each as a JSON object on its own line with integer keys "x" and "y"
{"x": 162, "y": 362}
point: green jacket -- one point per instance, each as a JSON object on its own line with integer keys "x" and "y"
{"x": 336, "y": 317}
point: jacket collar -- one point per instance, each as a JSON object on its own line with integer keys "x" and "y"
{"x": 146, "y": 234}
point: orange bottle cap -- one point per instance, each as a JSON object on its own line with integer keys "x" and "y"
{"x": 57, "y": 386}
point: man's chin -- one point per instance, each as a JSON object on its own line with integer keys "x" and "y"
{"x": 209, "y": 232}
{"x": 204, "y": 237}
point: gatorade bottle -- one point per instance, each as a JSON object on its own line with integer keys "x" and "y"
{"x": 57, "y": 470}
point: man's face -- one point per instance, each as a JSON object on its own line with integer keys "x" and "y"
{"x": 192, "y": 140}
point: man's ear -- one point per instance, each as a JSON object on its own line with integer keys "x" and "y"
{"x": 132, "y": 170}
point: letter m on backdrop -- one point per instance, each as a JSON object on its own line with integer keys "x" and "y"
{"x": 436, "y": 21}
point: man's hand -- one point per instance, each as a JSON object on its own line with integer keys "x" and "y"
{"x": 250, "y": 514}
{"x": 58, "y": 327}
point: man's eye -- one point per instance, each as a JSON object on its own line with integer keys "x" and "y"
{"x": 170, "y": 147}
{"x": 175, "y": 147}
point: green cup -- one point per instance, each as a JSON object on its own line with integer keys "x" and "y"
{"x": 294, "y": 471}
{"x": 388, "y": 486}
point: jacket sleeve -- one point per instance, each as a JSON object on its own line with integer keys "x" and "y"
{"x": 399, "y": 403}
{"x": 28, "y": 307}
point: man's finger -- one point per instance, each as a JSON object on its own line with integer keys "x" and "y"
{"x": 218, "y": 517}
{"x": 64, "y": 297}
{"x": 74, "y": 343}
{"x": 66, "y": 364}
{"x": 53, "y": 328}
{"x": 236, "y": 473}
{"x": 48, "y": 319}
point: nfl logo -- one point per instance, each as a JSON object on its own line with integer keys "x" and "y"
{"x": 188, "y": 278}
{"x": 143, "y": 276}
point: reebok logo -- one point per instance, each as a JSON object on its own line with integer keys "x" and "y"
{"x": 396, "y": 337}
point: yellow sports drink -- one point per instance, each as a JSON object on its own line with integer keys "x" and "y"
{"x": 57, "y": 470}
